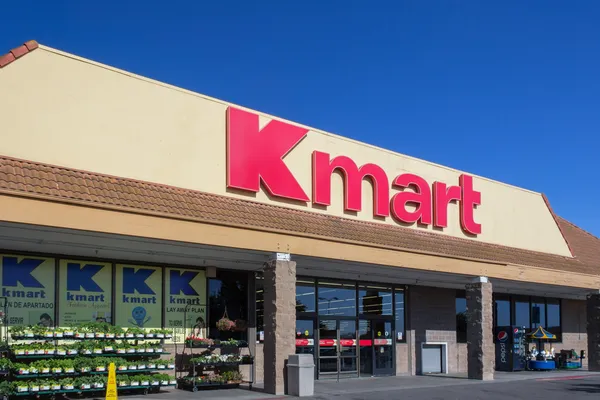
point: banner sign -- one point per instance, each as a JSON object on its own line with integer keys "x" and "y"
{"x": 185, "y": 304}
{"x": 86, "y": 292}
{"x": 29, "y": 285}
{"x": 138, "y": 300}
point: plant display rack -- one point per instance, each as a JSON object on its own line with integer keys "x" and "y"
{"x": 214, "y": 371}
{"x": 50, "y": 362}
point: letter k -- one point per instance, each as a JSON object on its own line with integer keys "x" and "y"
{"x": 256, "y": 155}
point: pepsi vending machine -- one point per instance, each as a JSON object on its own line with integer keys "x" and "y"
{"x": 510, "y": 348}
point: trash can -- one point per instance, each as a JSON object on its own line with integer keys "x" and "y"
{"x": 301, "y": 375}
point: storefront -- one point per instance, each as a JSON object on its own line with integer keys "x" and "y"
{"x": 130, "y": 201}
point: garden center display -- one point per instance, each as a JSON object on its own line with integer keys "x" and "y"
{"x": 52, "y": 361}
{"x": 209, "y": 370}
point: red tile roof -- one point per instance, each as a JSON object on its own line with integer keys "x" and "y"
{"x": 584, "y": 245}
{"x": 17, "y": 52}
{"x": 26, "y": 178}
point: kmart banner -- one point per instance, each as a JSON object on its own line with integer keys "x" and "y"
{"x": 86, "y": 292}
{"x": 138, "y": 301}
{"x": 185, "y": 303}
{"x": 28, "y": 284}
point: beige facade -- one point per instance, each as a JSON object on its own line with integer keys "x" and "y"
{"x": 165, "y": 151}
{"x": 87, "y": 116}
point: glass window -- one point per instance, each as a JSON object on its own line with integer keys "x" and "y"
{"x": 228, "y": 296}
{"x": 538, "y": 312}
{"x": 374, "y": 300}
{"x": 502, "y": 312}
{"x": 305, "y": 296}
{"x": 553, "y": 317}
{"x": 522, "y": 313}
{"x": 337, "y": 299}
{"x": 400, "y": 312}
{"x": 260, "y": 309}
{"x": 461, "y": 318}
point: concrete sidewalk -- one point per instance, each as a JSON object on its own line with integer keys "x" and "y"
{"x": 394, "y": 383}
{"x": 346, "y": 388}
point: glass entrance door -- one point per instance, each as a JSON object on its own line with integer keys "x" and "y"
{"x": 337, "y": 348}
{"x": 383, "y": 348}
{"x": 376, "y": 347}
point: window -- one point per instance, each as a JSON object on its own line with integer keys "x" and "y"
{"x": 337, "y": 299}
{"x": 529, "y": 312}
{"x": 260, "y": 309}
{"x": 374, "y": 300}
{"x": 228, "y": 296}
{"x": 538, "y": 313}
{"x": 553, "y": 318}
{"x": 502, "y": 312}
{"x": 522, "y": 313}
{"x": 305, "y": 296}
{"x": 461, "y": 317}
{"x": 400, "y": 307}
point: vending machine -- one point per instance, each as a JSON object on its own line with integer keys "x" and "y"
{"x": 510, "y": 348}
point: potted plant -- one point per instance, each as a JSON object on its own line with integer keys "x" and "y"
{"x": 99, "y": 383}
{"x": 69, "y": 332}
{"x": 17, "y": 332}
{"x": 162, "y": 378}
{"x": 132, "y": 366}
{"x": 7, "y": 389}
{"x": 55, "y": 385}
{"x": 134, "y": 381}
{"x": 61, "y": 351}
{"x": 122, "y": 381}
{"x": 118, "y": 332}
{"x": 59, "y": 332}
{"x": 87, "y": 348}
{"x": 72, "y": 349}
{"x": 151, "y": 364}
{"x": 161, "y": 364}
{"x": 144, "y": 380}
{"x": 44, "y": 385}
{"x": 43, "y": 366}
{"x": 67, "y": 383}
{"x": 172, "y": 380}
{"x": 5, "y": 364}
{"x": 34, "y": 386}
{"x": 225, "y": 324}
{"x": 21, "y": 369}
{"x": 171, "y": 364}
{"x": 123, "y": 365}
{"x": 22, "y": 387}
{"x": 107, "y": 347}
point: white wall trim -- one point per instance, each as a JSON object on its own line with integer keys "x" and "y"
{"x": 444, "y": 354}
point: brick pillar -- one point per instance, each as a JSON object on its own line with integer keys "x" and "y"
{"x": 280, "y": 322}
{"x": 593, "y": 331}
{"x": 480, "y": 335}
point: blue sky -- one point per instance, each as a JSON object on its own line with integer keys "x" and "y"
{"x": 509, "y": 90}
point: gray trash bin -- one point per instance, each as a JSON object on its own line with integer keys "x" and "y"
{"x": 301, "y": 375}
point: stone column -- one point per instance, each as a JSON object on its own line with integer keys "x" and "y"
{"x": 480, "y": 334}
{"x": 280, "y": 322}
{"x": 593, "y": 331}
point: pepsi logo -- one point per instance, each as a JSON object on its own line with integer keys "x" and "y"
{"x": 516, "y": 330}
{"x": 502, "y": 336}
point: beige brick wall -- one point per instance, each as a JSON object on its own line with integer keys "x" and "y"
{"x": 402, "y": 353}
{"x": 433, "y": 319}
{"x": 574, "y": 327}
{"x": 259, "y": 364}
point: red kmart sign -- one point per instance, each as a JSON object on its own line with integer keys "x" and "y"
{"x": 255, "y": 156}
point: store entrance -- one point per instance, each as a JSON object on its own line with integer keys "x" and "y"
{"x": 376, "y": 347}
{"x": 337, "y": 349}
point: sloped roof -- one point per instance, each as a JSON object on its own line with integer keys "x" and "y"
{"x": 27, "y": 178}
{"x": 584, "y": 245}
{"x": 18, "y": 52}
